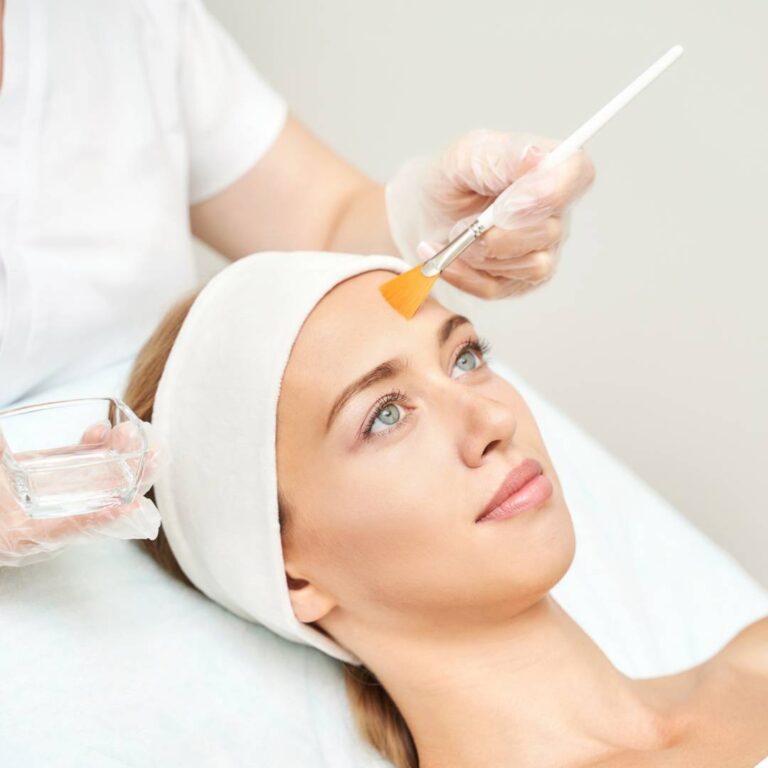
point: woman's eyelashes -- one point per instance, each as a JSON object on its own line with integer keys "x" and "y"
{"x": 388, "y": 413}
{"x": 479, "y": 346}
{"x": 387, "y": 407}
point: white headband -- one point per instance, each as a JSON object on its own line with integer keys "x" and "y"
{"x": 216, "y": 414}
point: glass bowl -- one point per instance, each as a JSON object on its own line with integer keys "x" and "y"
{"x": 55, "y": 466}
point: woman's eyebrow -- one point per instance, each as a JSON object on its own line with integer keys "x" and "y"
{"x": 389, "y": 369}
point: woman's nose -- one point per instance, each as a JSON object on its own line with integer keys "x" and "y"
{"x": 488, "y": 425}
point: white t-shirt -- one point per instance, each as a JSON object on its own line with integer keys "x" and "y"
{"x": 114, "y": 117}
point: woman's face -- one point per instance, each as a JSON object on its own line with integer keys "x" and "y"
{"x": 383, "y": 525}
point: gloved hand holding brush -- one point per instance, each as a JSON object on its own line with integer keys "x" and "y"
{"x": 431, "y": 200}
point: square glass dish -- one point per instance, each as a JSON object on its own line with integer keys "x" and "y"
{"x": 56, "y": 464}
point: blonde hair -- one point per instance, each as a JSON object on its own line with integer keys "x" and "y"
{"x": 378, "y": 719}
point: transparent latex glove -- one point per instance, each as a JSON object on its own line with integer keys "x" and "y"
{"x": 24, "y": 540}
{"x": 431, "y": 200}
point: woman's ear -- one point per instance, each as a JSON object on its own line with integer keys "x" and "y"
{"x": 309, "y": 603}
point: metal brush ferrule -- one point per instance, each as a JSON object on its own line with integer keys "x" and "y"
{"x": 437, "y": 263}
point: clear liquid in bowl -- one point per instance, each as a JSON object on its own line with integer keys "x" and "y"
{"x": 73, "y": 480}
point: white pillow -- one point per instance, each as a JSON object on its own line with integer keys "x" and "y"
{"x": 107, "y": 661}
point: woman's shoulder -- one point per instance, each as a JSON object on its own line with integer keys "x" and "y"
{"x": 716, "y": 710}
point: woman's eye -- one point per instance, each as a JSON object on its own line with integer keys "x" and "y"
{"x": 388, "y": 416}
{"x": 468, "y": 360}
{"x": 389, "y": 413}
{"x": 472, "y": 355}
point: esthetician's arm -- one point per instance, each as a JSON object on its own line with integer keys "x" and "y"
{"x": 301, "y": 195}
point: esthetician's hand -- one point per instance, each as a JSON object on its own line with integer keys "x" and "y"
{"x": 24, "y": 540}
{"x": 431, "y": 200}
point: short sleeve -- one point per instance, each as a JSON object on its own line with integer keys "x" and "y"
{"x": 232, "y": 115}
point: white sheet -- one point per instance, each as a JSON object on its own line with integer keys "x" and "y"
{"x": 106, "y": 661}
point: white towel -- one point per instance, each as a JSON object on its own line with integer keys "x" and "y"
{"x": 216, "y": 415}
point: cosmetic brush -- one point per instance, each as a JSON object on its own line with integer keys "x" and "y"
{"x": 408, "y": 291}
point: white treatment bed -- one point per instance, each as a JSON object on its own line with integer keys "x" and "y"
{"x": 107, "y": 662}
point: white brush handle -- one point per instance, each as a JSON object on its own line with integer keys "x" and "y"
{"x": 575, "y": 141}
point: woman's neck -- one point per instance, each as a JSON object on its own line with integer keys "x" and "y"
{"x": 534, "y": 691}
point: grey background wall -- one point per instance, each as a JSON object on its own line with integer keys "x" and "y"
{"x": 653, "y": 335}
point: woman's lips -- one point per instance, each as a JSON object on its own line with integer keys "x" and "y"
{"x": 523, "y": 488}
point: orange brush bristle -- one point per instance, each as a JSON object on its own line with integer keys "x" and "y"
{"x": 408, "y": 291}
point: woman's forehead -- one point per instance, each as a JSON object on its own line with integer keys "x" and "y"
{"x": 353, "y": 328}
{"x": 354, "y": 314}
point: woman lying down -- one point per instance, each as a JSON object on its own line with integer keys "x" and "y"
{"x": 339, "y": 475}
